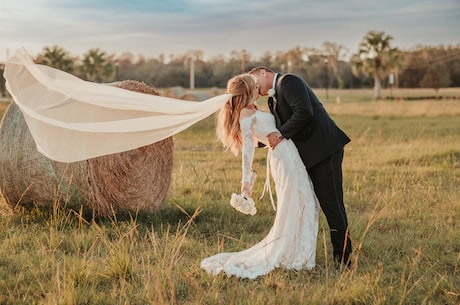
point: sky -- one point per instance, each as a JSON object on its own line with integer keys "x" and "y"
{"x": 218, "y": 27}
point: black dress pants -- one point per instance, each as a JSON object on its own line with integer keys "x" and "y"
{"x": 327, "y": 181}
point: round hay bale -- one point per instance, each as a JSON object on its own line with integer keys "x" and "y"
{"x": 175, "y": 92}
{"x": 135, "y": 180}
{"x": 196, "y": 96}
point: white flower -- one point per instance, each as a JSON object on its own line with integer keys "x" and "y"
{"x": 243, "y": 204}
{"x": 271, "y": 92}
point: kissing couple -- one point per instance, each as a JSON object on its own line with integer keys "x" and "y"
{"x": 305, "y": 160}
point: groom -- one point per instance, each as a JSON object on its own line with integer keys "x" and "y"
{"x": 300, "y": 116}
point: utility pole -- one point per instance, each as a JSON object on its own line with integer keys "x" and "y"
{"x": 243, "y": 61}
{"x": 192, "y": 72}
{"x": 326, "y": 84}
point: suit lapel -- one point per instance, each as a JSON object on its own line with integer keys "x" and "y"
{"x": 277, "y": 78}
{"x": 275, "y": 100}
{"x": 271, "y": 104}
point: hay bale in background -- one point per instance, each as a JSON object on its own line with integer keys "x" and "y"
{"x": 196, "y": 96}
{"x": 174, "y": 92}
{"x": 136, "y": 180}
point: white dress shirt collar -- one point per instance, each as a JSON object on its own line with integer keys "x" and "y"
{"x": 274, "y": 81}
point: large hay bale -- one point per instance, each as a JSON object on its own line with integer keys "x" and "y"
{"x": 136, "y": 180}
{"x": 196, "y": 96}
{"x": 175, "y": 92}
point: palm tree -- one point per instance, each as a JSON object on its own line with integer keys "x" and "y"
{"x": 373, "y": 57}
{"x": 96, "y": 66}
{"x": 56, "y": 57}
{"x": 395, "y": 59}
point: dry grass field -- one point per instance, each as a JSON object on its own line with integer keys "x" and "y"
{"x": 401, "y": 178}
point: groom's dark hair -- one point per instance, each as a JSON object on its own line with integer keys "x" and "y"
{"x": 260, "y": 68}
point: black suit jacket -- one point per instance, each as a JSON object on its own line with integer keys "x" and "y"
{"x": 300, "y": 116}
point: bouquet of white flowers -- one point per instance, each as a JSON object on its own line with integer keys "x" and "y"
{"x": 242, "y": 202}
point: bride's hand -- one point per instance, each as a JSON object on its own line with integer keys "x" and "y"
{"x": 246, "y": 189}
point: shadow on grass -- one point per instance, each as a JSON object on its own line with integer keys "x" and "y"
{"x": 169, "y": 215}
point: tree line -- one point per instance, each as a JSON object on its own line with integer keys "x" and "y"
{"x": 376, "y": 64}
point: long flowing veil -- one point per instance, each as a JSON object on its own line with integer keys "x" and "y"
{"x": 72, "y": 120}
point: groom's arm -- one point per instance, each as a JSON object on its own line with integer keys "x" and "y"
{"x": 295, "y": 93}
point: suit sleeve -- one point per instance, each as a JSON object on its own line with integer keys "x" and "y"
{"x": 295, "y": 93}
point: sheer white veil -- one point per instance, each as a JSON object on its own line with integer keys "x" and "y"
{"x": 72, "y": 120}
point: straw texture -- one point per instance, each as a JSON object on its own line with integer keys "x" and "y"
{"x": 135, "y": 180}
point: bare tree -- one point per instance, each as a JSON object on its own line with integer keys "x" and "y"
{"x": 436, "y": 77}
{"x": 335, "y": 53}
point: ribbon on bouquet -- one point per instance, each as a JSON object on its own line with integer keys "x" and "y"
{"x": 267, "y": 185}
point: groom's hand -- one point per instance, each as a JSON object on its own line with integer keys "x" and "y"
{"x": 274, "y": 138}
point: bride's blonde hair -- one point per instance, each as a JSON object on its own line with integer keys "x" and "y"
{"x": 242, "y": 88}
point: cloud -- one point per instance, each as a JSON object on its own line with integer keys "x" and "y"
{"x": 152, "y": 27}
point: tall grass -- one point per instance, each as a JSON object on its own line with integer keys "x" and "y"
{"x": 401, "y": 190}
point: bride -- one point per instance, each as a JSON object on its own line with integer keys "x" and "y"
{"x": 291, "y": 242}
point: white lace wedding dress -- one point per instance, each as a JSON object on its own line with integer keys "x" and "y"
{"x": 291, "y": 242}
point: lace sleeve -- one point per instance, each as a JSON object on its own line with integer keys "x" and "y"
{"x": 247, "y": 133}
